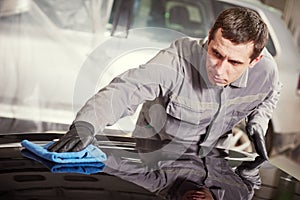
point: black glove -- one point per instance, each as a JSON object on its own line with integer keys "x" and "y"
{"x": 256, "y": 135}
{"x": 248, "y": 171}
{"x": 80, "y": 135}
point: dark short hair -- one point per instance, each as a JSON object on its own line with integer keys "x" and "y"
{"x": 242, "y": 25}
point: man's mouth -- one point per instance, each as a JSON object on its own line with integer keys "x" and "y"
{"x": 219, "y": 80}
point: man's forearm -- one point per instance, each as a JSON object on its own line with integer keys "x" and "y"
{"x": 263, "y": 113}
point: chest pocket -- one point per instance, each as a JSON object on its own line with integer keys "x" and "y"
{"x": 190, "y": 112}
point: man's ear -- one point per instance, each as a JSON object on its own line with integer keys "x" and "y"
{"x": 255, "y": 60}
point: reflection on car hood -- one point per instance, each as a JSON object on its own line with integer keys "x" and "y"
{"x": 128, "y": 174}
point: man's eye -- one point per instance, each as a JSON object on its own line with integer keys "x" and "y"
{"x": 235, "y": 62}
{"x": 217, "y": 54}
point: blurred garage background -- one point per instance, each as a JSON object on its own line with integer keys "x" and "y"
{"x": 291, "y": 16}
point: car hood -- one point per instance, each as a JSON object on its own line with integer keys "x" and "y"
{"x": 126, "y": 175}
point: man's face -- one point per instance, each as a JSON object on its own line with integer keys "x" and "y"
{"x": 227, "y": 61}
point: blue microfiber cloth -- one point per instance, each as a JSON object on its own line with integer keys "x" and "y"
{"x": 90, "y": 154}
{"x": 81, "y": 168}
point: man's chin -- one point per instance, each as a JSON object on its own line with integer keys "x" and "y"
{"x": 220, "y": 84}
{"x": 217, "y": 82}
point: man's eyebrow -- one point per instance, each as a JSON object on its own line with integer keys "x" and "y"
{"x": 229, "y": 60}
{"x": 235, "y": 61}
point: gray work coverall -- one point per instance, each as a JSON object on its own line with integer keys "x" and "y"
{"x": 179, "y": 102}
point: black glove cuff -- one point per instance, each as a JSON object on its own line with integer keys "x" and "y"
{"x": 251, "y": 127}
{"x": 82, "y": 124}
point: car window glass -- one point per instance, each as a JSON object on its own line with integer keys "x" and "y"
{"x": 183, "y": 17}
{"x": 186, "y": 17}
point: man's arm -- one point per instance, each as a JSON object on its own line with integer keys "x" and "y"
{"x": 128, "y": 90}
{"x": 256, "y": 128}
{"x": 263, "y": 113}
{"x": 257, "y": 122}
{"x": 121, "y": 98}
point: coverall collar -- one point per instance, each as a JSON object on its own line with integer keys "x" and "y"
{"x": 242, "y": 81}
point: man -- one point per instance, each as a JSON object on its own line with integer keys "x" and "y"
{"x": 195, "y": 91}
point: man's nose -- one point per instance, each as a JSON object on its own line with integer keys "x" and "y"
{"x": 221, "y": 67}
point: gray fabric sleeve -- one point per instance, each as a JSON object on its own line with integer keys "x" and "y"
{"x": 263, "y": 113}
{"x": 135, "y": 86}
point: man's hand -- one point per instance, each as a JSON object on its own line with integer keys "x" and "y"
{"x": 249, "y": 170}
{"x": 80, "y": 135}
{"x": 257, "y": 136}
